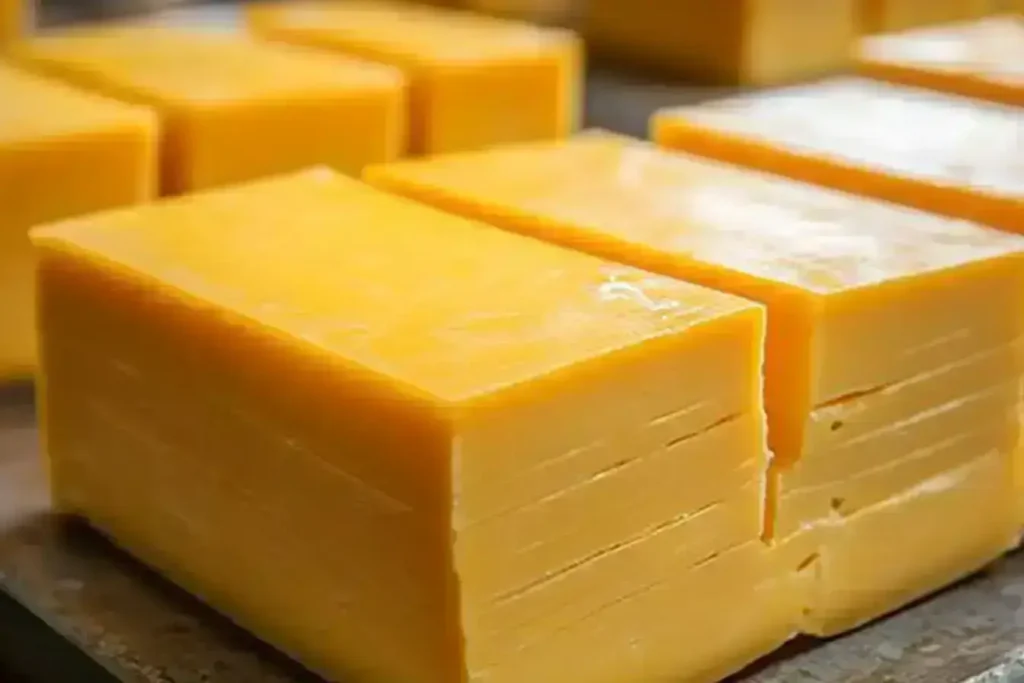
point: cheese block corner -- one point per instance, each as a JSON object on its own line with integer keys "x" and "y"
{"x": 423, "y": 418}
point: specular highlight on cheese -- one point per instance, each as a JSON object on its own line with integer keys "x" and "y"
{"x": 891, "y": 395}
{"x": 475, "y": 81}
{"x": 231, "y": 108}
{"x": 62, "y": 152}
{"x": 418, "y": 434}
{"x": 982, "y": 59}
{"x": 931, "y": 151}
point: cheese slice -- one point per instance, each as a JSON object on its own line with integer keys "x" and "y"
{"x": 983, "y": 58}
{"x": 475, "y": 81}
{"x": 62, "y": 152}
{"x": 754, "y": 42}
{"x": 417, "y": 434}
{"x": 931, "y": 151}
{"x": 882, "y": 16}
{"x": 231, "y": 108}
{"x": 882, "y": 373}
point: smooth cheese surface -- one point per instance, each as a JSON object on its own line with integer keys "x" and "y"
{"x": 756, "y": 42}
{"x": 881, "y": 16}
{"x": 534, "y": 517}
{"x": 62, "y": 152}
{"x": 232, "y": 108}
{"x": 931, "y": 151}
{"x": 465, "y": 68}
{"x": 880, "y": 371}
{"x": 983, "y": 59}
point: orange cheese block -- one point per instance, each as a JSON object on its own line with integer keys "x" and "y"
{"x": 755, "y": 42}
{"x": 232, "y": 108}
{"x": 14, "y": 19}
{"x": 420, "y": 420}
{"x": 931, "y": 151}
{"x": 983, "y": 58}
{"x": 62, "y": 152}
{"x": 882, "y": 373}
{"x": 883, "y": 16}
{"x": 475, "y": 81}
{"x": 543, "y": 11}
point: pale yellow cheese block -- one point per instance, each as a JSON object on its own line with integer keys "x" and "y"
{"x": 233, "y": 108}
{"x": 752, "y": 42}
{"x": 404, "y": 446}
{"x": 475, "y": 81}
{"x": 891, "y": 395}
{"x": 62, "y": 152}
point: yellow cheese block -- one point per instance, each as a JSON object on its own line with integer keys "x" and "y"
{"x": 931, "y": 151}
{"x": 882, "y": 373}
{"x": 883, "y": 16}
{"x": 726, "y": 41}
{"x": 983, "y": 58}
{"x": 234, "y": 109}
{"x": 14, "y": 19}
{"x": 475, "y": 81}
{"x": 418, "y": 435}
{"x": 62, "y": 152}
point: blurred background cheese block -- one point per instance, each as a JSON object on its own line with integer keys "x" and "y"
{"x": 63, "y": 152}
{"x": 883, "y": 16}
{"x": 233, "y": 108}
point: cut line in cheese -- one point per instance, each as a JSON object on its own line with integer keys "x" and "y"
{"x": 62, "y": 152}
{"x": 475, "y": 81}
{"x": 494, "y": 456}
{"x": 881, "y": 371}
{"x": 931, "y": 151}
{"x": 982, "y": 59}
{"x": 234, "y": 109}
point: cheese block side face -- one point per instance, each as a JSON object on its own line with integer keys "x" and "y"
{"x": 730, "y": 42}
{"x": 463, "y": 69}
{"x": 883, "y": 16}
{"x": 881, "y": 371}
{"x": 62, "y": 153}
{"x": 234, "y": 109}
{"x": 826, "y": 33}
{"x": 298, "y": 403}
{"x": 976, "y": 59}
{"x": 869, "y": 138}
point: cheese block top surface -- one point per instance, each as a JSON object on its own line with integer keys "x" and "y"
{"x": 991, "y": 48}
{"x": 172, "y": 66}
{"x": 35, "y": 108}
{"x": 451, "y": 308}
{"x": 680, "y": 206}
{"x": 408, "y": 33}
{"x": 907, "y": 131}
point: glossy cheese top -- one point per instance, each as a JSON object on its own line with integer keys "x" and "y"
{"x": 449, "y": 307}
{"x": 991, "y": 48}
{"x": 33, "y": 109}
{"x": 175, "y": 66}
{"x": 626, "y": 191}
{"x": 910, "y": 132}
{"x": 407, "y": 33}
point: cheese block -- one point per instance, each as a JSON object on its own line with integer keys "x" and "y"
{"x": 62, "y": 152}
{"x": 751, "y": 42}
{"x": 882, "y": 16}
{"x": 931, "y": 151}
{"x": 983, "y": 58}
{"x": 234, "y": 109}
{"x": 467, "y": 447}
{"x": 475, "y": 81}
{"x": 886, "y": 385}
{"x": 542, "y": 11}
{"x": 14, "y": 19}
